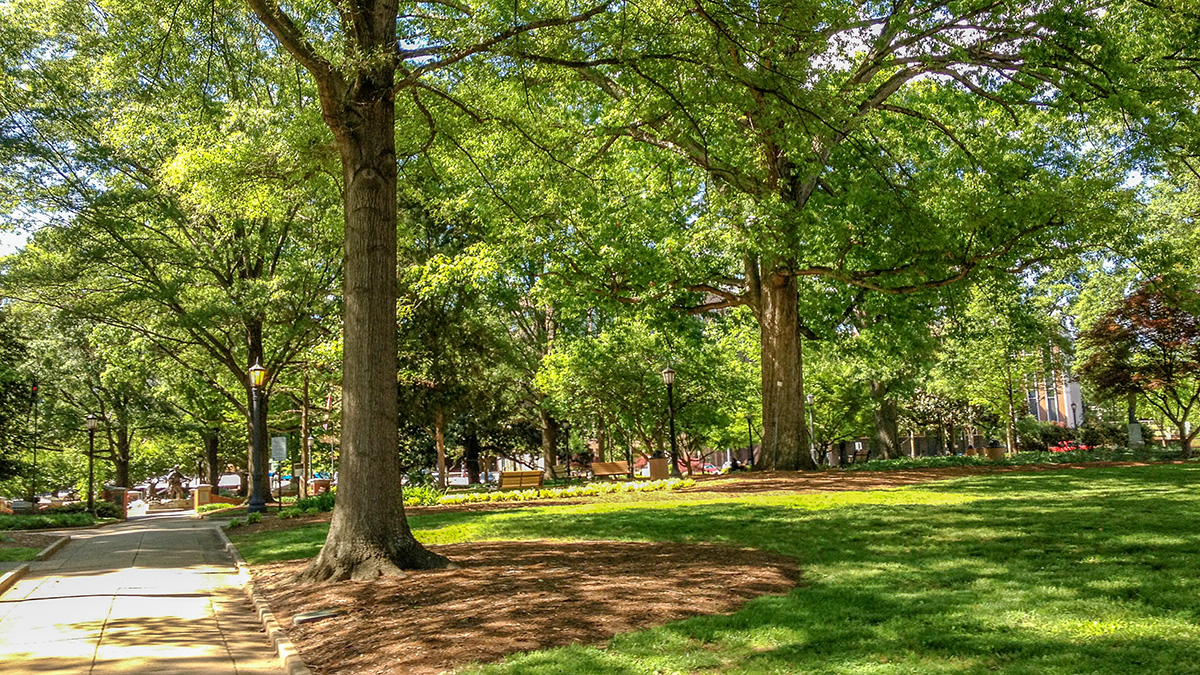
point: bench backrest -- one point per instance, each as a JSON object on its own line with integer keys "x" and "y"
{"x": 520, "y": 479}
{"x": 610, "y": 468}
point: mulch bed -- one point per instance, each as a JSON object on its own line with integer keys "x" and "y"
{"x": 512, "y": 597}
{"x": 18, "y": 539}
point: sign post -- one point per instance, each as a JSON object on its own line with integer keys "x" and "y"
{"x": 278, "y": 455}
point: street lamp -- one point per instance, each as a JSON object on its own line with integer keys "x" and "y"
{"x": 258, "y": 444}
{"x": 668, "y": 376}
{"x": 1074, "y": 420}
{"x": 812, "y": 445}
{"x": 749, "y": 441}
{"x": 93, "y": 423}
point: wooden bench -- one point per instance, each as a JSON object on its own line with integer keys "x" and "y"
{"x": 610, "y": 469}
{"x": 513, "y": 480}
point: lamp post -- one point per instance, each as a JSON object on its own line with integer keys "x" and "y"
{"x": 749, "y": 442}
{"x": 812, "y": 446}
{"x": 33, "y": 498}
{"x": 668, "y": 376}
{"x": 1074, "y": 420}
{"x": 258, "y": 444}
{"x": 92, "y": 423}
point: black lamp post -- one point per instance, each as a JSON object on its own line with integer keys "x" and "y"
{"x": 749, "y": 441}
{"x": 258, "y": 443}
{"x": 668, "y": 376}
{"x": 33, "y": 497}
{"x": 1074, "y": 420}
{"x": 812, "y": 446}
{"x": 93, "y": 423}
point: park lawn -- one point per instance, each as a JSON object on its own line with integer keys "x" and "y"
{"x": 17, "y": 553}
{"x": 1074, "y": 571}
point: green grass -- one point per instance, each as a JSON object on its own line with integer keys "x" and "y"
{"x": 18, "y": 554}
{"x": 1080, "y": 571}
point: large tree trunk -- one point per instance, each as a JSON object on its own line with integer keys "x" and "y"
{"x": 1185, "y": 439}
{"x": 211, "y": 458}
{"x": 121, "y": 456}
{"x": 784, "y": 436}
{"x": 887, "y": 428}
{"x": 369, "y": 534}
{"x": 257, "y": 461}
{"x": 550, "y": 431}
{"x": 471, "y": 452}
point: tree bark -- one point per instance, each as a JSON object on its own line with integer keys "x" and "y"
{"x": 784, "y": 435}
{"x": 550, "y": 431}
{"x": 121, "y": 456}
{"x": 211, "y": 458}
{"x": 369, "y": 535}
{"x": 439, "y": 438}
{"x": 887, "y": 426}
{"x": 257, "y": 460}
{"x": 471, "y": 452}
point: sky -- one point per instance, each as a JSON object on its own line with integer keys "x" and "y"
{"x": 11, "y": 242}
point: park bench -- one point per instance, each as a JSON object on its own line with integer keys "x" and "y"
{"x": 513, "y": 480}
{"x": 610, "y": 469}
{"x": 862, "y": 455}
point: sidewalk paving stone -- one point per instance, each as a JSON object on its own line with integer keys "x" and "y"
{"x": 152, "y": 595}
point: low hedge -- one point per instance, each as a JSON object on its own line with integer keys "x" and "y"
{"x": 589, "y": 490}
{"x": 44, "y": 521}
{"x": 1143, "y": 454}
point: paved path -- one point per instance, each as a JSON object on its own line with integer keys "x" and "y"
{"x": 155, "y": 595}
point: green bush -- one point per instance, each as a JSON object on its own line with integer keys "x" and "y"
{"x": 589, "y": 490}
{"x": 44, "y": 521}
{"x": 321, "y": 502}
{"x": 1100, "y": 434}
{"x": 235, "y": 523}
{"x": 252, "y": 518}
{"x": 1035, "y": 436}
{"x": 209, "y": 508}
{"x": 422, "y": 495}
{"x": 290, "y": 512}
{"x": 107, "y": 510}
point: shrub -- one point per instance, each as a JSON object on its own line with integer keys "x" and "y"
{"x": 1097, "y": 433}
{"x": 107, "y": 510}
{"x": 321, "y": 502}
{"x": 43, "y": 521}
{"x": 422, "y": 495}
{"x": 589, "y": 490}
{"x": 1035, "y": 436}
{"x": 208, "y": 508}
{"x": 253, "y": 518}
{"x": 235, "y": 523}
{"x": 290, "y": 512}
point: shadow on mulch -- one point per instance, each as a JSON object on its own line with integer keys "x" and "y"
{"x": 513, "y": 597}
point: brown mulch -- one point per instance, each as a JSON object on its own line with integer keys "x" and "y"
{"x": 838, "y": 480}
{"x": 14, "y": 539}
{"x": 513, "y": 597}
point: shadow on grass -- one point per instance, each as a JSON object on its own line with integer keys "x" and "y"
{"x": 1084, "y": 571}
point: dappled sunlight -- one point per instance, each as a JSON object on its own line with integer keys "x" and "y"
{"x": 511, "y": 597}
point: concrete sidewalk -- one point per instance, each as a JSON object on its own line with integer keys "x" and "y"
{"x": 155, "y": 595}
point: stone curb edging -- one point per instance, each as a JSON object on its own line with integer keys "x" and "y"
{"x": 52, "y": 548}
{"x": 289, "y": 656}
{"x": 13, "y": 576}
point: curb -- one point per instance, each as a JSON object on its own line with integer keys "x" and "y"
{"x": 289, "y": 656}
{"x": 52, "y": 548}
{"x": 13, "y": 576}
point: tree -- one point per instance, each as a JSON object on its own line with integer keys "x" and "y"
{"x": 1149, "y": 345}
{"x": 361, "y": 60}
